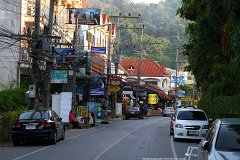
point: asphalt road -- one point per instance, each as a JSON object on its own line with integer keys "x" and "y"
{"x": 122, "y": 140}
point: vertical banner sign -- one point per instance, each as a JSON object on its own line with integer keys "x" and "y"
{"x": 86, "y": 16}
{"x": 152, "y": 98}
{"x": 97, "y": 86}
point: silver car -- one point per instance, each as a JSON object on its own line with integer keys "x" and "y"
{"x": 222, "y": 141}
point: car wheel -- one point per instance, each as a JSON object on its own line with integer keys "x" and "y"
{"x": 16, "y": 142}
{"x": 53, "y": 139}
{"x": 63, "y": 134}
{"x": 127, "y": 117}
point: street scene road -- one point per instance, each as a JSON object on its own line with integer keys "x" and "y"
{"x": 132, "y": 139}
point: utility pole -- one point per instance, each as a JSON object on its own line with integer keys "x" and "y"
{"x": 35, "y": 49}
{"x": 74, "y": 66}
{"x": 49, "y": 64}
{"x": 176, "y": 80}
{"x": 105, "y": 120}
{"x": 139, "y": 67}
{"x": 118, "y": 56}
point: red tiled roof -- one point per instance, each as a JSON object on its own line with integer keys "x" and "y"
{"x": 148, "y": 68}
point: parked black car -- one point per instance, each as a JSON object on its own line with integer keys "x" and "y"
{"x": 38, "y": 124}
{"x": 134, "y": 112}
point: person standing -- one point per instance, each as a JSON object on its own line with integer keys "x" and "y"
{"x": 73, "y": 120}
{"x": 145, "y": 110}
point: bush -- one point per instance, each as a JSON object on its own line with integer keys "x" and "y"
{"x": 221, "y": 106}
{"x": 12, "y": 102}
{"x": 6, "y": 121}
{"x": 12, "y": 99}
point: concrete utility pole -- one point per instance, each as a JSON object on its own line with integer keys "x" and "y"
{"x": 49, "y": 64}
{"x": 106, "y": 102}
{"x": 35, "y": 49}
{"x": 139, "y": 67}
{"x": 76, "y": 48}
{"x": 176, "y": 80}
{"x": 118, "y": 54}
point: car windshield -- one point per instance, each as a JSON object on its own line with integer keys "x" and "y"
{"x": 228, "y": 138}
{"x": 191, "y": 115}
{"x": 133, "y": 109}
{"x": 169, "y": 108}
{"x": 34, "y": 115}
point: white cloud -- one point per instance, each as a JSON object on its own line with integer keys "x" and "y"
{"x": 146, "y": 1}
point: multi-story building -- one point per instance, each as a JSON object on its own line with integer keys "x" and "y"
{"x": 10, "y": 45}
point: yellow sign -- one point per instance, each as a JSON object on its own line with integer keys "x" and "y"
{"x": 152, "y": 98}
{"x": 82, "y": 111}
{"x": 186, "y": 99}
{"x": 195, "y": 102}
{"x": 114, "y": 88}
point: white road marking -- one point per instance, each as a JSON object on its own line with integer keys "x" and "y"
{"x": 31, "y": 153}
{"x": 116, "y": 142}
{"x": 39, "y": 150}
{"x": 173, "y": 149}
{"x": 113, "y": 144}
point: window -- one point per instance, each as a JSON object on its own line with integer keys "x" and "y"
{"x": 191, "y": 115}
{"x": 131, "y": 68}
{"x": 228, "y": 138}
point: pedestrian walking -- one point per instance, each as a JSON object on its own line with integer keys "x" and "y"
{"x": 145, "y": 109}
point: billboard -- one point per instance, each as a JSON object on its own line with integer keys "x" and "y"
{"x": 97, "y": 86}
{"x": 152, "y": 98}
{"x": 59, "y": 76}
{"x": 86, "y": 16}
{"x": 99, "y": 50}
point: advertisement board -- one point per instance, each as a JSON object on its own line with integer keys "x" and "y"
{"x": 97, "y": 86}
{"x": 98, "y": 50}
{"x": 152, "y": 98}
{"x": 86, "y": 16}
{"x": 59, "y": 76}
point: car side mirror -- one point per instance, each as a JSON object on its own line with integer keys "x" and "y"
{"x": 205, "y": 145}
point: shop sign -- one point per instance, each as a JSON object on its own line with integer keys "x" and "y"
{"x": 113, "y": 88}
{"x": 82, "y": 111}
{"x": 98, "y": 50}
{"x": 59, "y": 76}
{"x": 97, "y": 86}
{"x": 116, "y": 81}
{"x": 152, "y": 98}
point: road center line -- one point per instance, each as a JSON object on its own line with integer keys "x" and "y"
{"x": 116, "y": 142}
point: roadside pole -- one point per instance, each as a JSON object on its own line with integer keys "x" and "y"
{"x": 106, "y": 102}
{"x": 50, "y": 55}
{"x": 35, "y": 49}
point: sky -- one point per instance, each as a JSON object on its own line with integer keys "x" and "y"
{"x": 146, "y": 1}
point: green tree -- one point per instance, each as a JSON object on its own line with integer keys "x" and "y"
{"x": 212, "y": 50}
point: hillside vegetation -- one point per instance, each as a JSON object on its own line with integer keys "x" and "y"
{"x": 164, "y": 32}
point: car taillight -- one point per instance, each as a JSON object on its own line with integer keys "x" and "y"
{"x": 44, "y": 124}
{"x": 16, "y": 125}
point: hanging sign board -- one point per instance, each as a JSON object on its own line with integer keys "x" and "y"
{"x": 152, "y": 98}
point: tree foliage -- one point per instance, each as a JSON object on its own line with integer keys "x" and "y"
{"x": 213, "y": 50}
{"x": 163, "y": 30}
